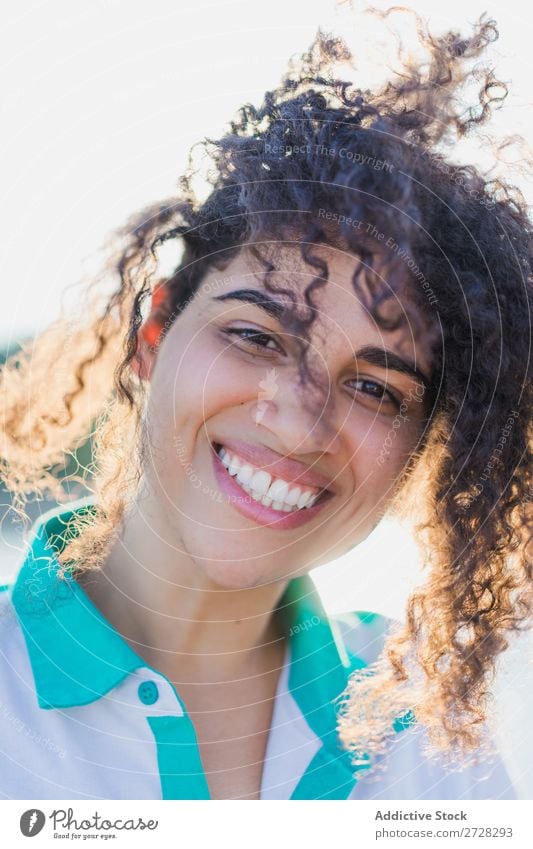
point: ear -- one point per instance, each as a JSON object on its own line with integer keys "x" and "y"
{"x": 143, "y": 361}
{"x": 148, "y": 337}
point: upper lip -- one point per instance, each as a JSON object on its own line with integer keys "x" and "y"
{"x": 278, "y": 466}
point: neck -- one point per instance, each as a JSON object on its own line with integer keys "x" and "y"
{"x": 175, "y": 617}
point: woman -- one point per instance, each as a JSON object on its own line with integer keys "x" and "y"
{"x": 344, "y": 336}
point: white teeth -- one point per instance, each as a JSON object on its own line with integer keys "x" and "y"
{"x": 245, "y": 474}
{"x": 304, "y": 498}
{"x": 293, "y": 496}
{"x": 278, "y": 490}
{"x": 255, "y": 495}
{"x": 276, "y": 493}
{"x": 261, "y": 482}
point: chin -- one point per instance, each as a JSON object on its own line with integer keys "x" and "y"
{"x": 236, "y": 576}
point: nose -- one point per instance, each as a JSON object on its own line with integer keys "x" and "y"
{"x": 301, "y": 421}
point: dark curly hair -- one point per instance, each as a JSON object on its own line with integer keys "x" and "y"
{"x": 445, "y": 251}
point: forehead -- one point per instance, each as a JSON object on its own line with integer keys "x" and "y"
{"x": 340, "y": 307}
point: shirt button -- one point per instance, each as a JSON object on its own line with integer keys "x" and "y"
{"x": 148, "y": 692}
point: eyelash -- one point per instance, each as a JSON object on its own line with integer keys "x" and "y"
{"x": 257, "y": 333}
{"x": 239, "y": 331}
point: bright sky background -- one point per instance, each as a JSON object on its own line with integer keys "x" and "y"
{"x": 99, "y": 109}
{"x": 100, "y": 102}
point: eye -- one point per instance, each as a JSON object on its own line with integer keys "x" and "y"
{"x": 253, "y": 338}
{"x": 375, "y": 390}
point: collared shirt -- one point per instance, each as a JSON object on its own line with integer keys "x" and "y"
{"x": 82, "y": 716}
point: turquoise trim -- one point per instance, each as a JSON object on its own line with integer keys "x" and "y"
{"x": 366, "y": 617}
{"x": 76, "y": 655}
{"x": 402, "y": 723}
{"x": 317, "y": 677}
{"x": 326, "y": 777}
{"x": 178, "y": 757}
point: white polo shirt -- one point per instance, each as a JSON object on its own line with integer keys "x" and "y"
{"x": 82, "y": 716}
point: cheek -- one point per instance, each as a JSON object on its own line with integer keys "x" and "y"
{"x": 379, "y": 453}
{"x": 195, "y": 380}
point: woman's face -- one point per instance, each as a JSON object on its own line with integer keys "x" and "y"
{"x": 211, "y": 386}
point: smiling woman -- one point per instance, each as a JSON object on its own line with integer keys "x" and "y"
{"x": 344, "y": 337}
{"x": 325, "y": 443}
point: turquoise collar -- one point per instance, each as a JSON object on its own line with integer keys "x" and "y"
{"x": 77, "y": 656}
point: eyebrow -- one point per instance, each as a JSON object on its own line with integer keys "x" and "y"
{"x": 380, "y": 357}
{"x": 383, "y": 358}
{"x": 253, "y": 296}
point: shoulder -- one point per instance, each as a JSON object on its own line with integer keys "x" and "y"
{"x": 361, "y": 635}
{"x": 9, "y": 623}
{"x": 7, "y": 612}
{"x": 407, "y": 770}
{"x": 13, "y": 654}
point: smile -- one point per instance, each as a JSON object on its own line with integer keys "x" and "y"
{"x": 265, "y": 498}
{"x": 262, "y": 486}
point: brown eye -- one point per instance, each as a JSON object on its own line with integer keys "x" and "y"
{"x": 375, "y": 390}
{"x": 256, "y": 339}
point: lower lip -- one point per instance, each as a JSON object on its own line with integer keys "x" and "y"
{"x": 243, "y": 502}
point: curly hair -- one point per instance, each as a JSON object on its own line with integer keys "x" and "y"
{"x": 447, "y": 242}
